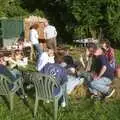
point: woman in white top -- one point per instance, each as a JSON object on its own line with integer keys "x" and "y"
{"x": 34, "y": 38}
{"x": 46, "y": 57}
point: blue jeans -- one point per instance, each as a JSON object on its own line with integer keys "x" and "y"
{"x": 38, "y": 49}
{"x": 101, "y": 85}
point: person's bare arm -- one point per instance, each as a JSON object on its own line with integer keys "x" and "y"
{"x": 102, "y": 71}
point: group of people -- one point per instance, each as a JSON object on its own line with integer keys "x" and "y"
{"x": 50, "y": 35}
{"x": 98, "y": 74}
{"x": 101, "y": 68}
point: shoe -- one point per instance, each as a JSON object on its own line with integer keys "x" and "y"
{"x": 23, "y": 96}
{"x": 47, "y": 101}
{"x": 110, "y": 93}
{"x": 30, "y": 86}
{"x": 96, "y": 97}
{"x": 63, "y": 104}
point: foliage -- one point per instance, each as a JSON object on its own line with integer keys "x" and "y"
{"x": 72, "y": 18}
{"x": 87, "y": 14}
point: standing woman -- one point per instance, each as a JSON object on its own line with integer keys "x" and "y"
{"x": 34, "y": 39}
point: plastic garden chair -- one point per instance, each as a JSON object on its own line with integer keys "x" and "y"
{"x": 44, "y": 87}
{"x": 5, "y": 89}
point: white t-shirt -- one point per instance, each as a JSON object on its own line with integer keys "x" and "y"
{"x": 34, "y": 36}
{"x": 50, "y": 32}
{"x": 43, "y": 60}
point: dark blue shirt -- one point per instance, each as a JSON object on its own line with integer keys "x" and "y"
{"x": 101, "y": 61}
{"x": 58, "y": 72}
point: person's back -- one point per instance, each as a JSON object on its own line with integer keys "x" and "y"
{"x": 34, "y": 36}
{"x": 57, "y": 71}
{"x": 46, "y": 57}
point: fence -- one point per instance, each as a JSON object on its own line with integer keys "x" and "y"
{"x": 10, "y": 31}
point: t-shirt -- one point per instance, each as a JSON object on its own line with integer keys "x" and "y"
{"x": 56, "y": 71}
{"x": 34, "y": 36}
{"x": 50, "y": 32}
{"x": 43, "y": 60}
{"x": 99, "y": 62}
{"x": 110, "y": 55}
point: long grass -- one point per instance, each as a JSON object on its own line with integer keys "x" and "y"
{"x": 82, "y": 109}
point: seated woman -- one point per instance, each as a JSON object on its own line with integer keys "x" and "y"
{"x": 13, "y": 76}
{"x": 46, "y": 57}
{"x": 109, "y": 52}
{"x": 17, "y": 59}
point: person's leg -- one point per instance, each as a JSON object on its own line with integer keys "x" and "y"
{"x": 87, "y": 77}
{"x": 101, "y": 85}
{"x": 48, "y": 43}
{"x": 16, "y": 73}
{"x": 54, "y": 43}
{"x": 38, "y": 49}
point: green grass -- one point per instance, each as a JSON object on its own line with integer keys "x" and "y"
{"x": 82, "y": 109}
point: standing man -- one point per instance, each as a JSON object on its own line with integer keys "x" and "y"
{"x": 50, "y": 35}
{"x": 34, "y": 39}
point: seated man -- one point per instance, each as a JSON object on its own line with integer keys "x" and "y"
{"x": 102, "y": 75}
{"x": 4, "y": 70}
{"x": 58, "y": 72}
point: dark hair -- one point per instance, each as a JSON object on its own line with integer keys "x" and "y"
{"x": 59, "y": 58}
{"x": 92, "y": 45}
{"x": 107, "y": 42}
{"x": 35, "y": 26}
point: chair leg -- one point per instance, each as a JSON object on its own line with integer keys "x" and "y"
{"x": 22, "y": 90}
{"x": 11, "y": 101}
{"x": 36, "y": 106}
{"x": 66, "y": 96}
{"x": 55, "y": 109}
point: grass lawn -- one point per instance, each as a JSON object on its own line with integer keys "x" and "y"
{"x": 82, "y": 109}
{"x": 78, "y": 109}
